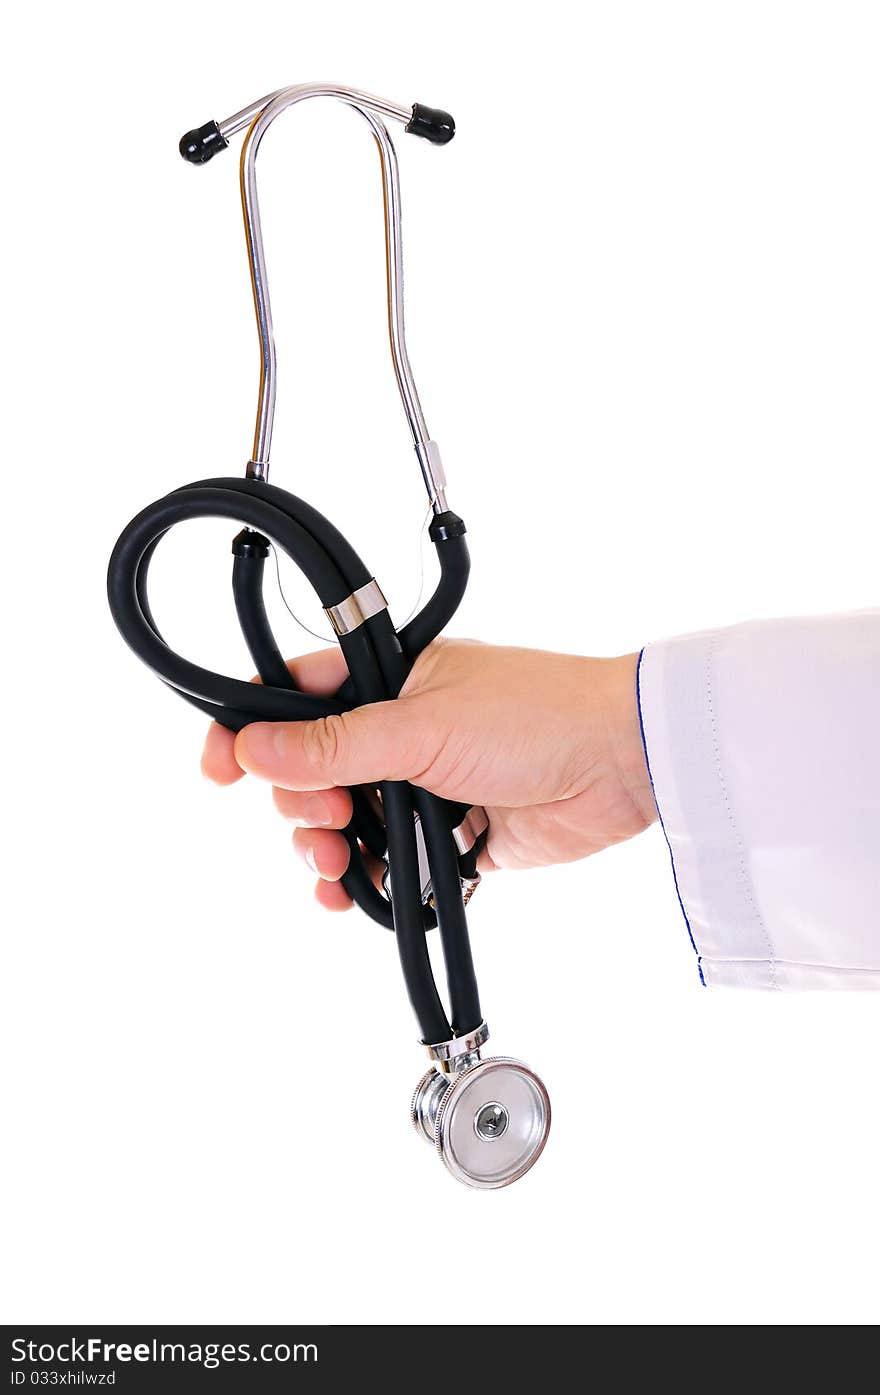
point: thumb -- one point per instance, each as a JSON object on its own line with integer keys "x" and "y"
{"x": 382, "y": 741}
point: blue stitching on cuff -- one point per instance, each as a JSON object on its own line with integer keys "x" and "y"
{"x": 660, "y": 816}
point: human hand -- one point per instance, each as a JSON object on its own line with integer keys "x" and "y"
{"x": 549, "y": 744}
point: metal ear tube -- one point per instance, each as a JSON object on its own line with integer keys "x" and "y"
{"x": 488, "y": 1118}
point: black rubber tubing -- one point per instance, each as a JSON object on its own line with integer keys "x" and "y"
{"x": 378, "y": 660}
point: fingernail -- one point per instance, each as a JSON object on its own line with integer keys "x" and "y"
{"x": 260, "y": 746}
{"x": 310, "y": 859}
{"x": 316, "y": 812}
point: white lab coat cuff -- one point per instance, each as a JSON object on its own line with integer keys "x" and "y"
{"x": 762, "y": 747}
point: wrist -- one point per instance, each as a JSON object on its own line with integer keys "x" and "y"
{"x": 623, "y": 728}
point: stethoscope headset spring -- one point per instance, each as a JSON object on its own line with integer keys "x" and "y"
{"x": 487, "y": 1117}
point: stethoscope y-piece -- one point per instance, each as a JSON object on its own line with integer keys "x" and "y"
{"x": 488, "y": 1117}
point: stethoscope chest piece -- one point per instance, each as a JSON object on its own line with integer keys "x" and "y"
{"x": 488, "y": 1119}
{"x": 492, "y": 1123}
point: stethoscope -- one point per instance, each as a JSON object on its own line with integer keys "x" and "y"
{"x": 488, "y": 1117}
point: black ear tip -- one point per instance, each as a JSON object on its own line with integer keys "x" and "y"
{"x": 431, "y": 123}
{"x": 201, "y": 144}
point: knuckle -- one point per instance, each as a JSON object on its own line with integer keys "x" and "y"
{"x": 325, "y": 742}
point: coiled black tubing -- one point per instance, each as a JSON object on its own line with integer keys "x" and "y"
{"x": 378, "y": 658}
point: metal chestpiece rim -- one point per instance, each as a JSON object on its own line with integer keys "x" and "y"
{"x": 491, "y": 1123}
{"x": 488, "y": 1120}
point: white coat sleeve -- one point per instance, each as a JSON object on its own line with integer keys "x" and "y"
{"x": 764, "y": 752}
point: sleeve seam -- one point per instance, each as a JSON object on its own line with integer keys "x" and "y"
{"x": 742, "y": 861}
{"x": 660, "y": 817}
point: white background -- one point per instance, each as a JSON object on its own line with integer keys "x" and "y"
{"x": 643, "y": 296}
